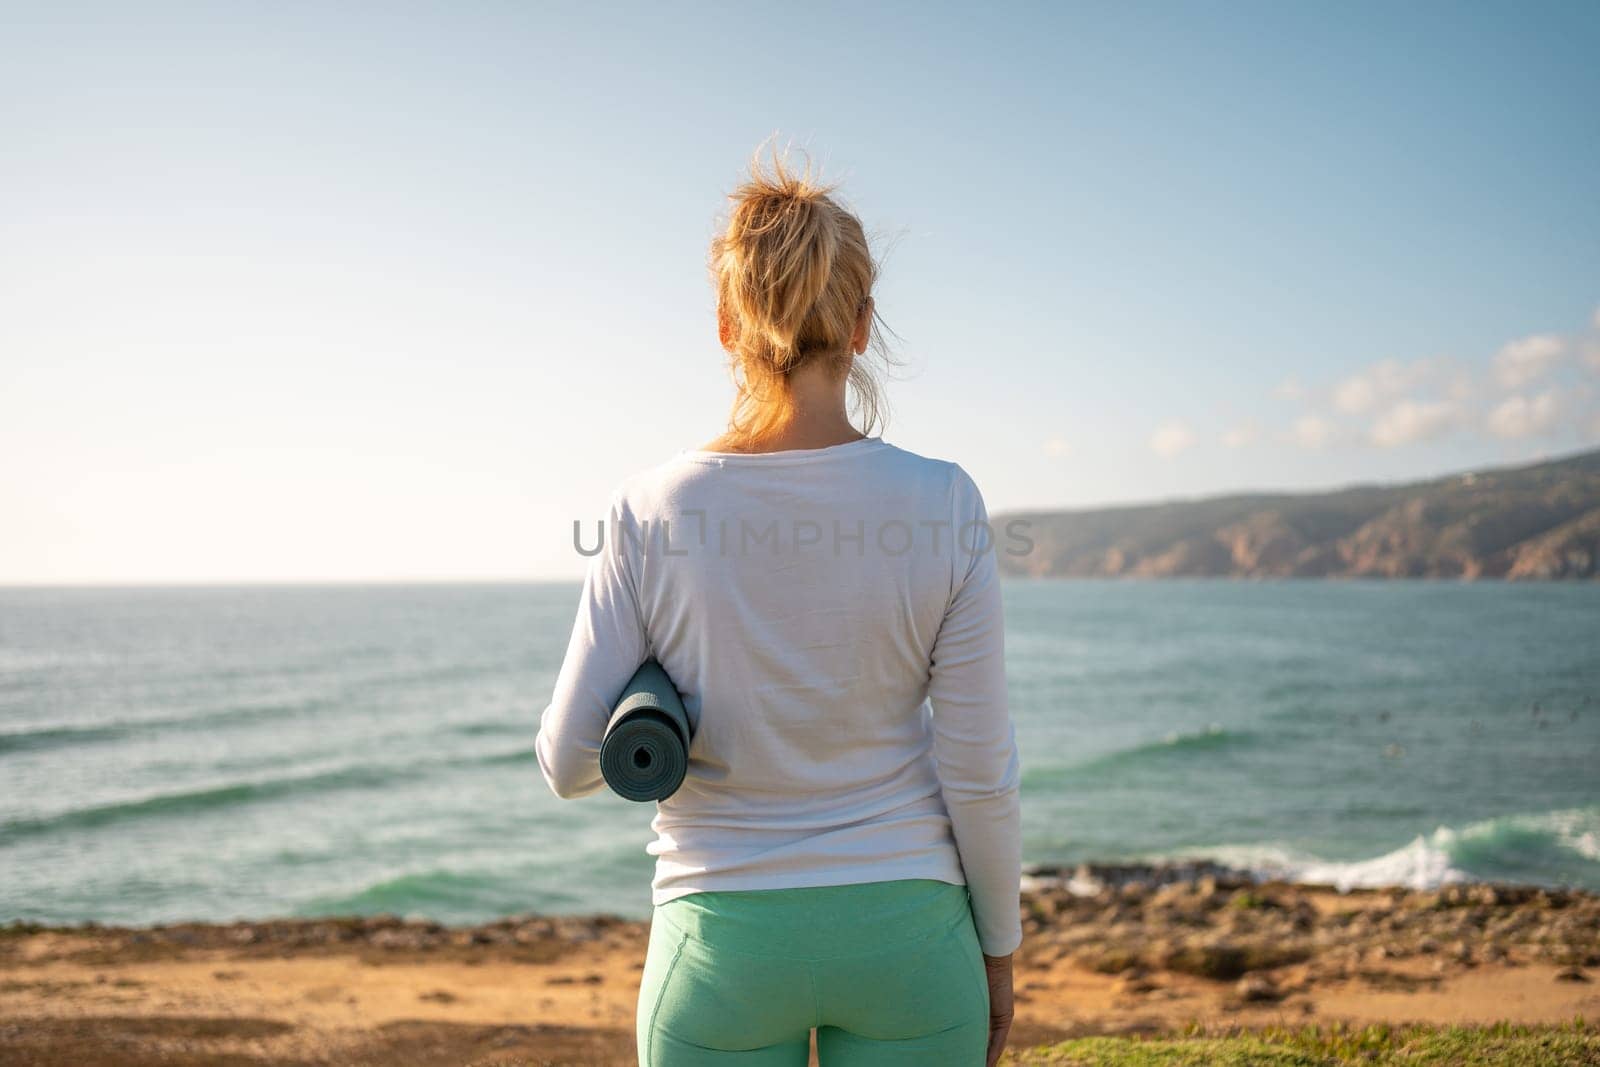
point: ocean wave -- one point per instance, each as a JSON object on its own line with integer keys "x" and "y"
{"x": 490, "y": 727}
{"x": 188, "y": 802}
{"x": 517, "y": 755}
{"x": 1175, "y": 746}
{"x": 59, "y": 737}
{"x": 28, "y": 740}
{"x": 193, "y": 801}
{"x": 508, "y": 886}
{"x": 442, "y": 895}
{"x": 1543, "y": 848}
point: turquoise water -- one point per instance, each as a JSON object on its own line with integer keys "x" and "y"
{"x": 219, "y": 753}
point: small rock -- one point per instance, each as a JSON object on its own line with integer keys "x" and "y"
{"x": 1132, "y": 985}
{"x": 1486, "y": 895}
{"x": 1257, "y": 987}
{"x": 1572, "y": 974}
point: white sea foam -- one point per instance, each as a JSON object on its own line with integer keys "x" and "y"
{"x": 1477, "y": 852}
{"x": 1425, "y": 863}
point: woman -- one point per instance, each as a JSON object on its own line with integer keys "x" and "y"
{"x": 844, "y": 853}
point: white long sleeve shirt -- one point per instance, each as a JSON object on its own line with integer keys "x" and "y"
{"x": 832, "y": 618}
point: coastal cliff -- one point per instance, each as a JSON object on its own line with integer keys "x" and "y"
{"x": 1534, "y": 522}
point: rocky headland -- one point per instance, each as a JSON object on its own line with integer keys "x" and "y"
{"x": 1535, "y": 522}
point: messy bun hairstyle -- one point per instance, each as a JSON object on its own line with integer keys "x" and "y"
{"x": 793, "y": 273}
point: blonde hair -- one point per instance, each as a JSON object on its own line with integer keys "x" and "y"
{"x": 793, "y": 273}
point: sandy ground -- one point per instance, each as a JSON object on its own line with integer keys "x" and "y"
{"x": 564, "y": 991}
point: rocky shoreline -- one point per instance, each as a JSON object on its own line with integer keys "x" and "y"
{"x": 1274, "y": 938}
{"x": 1197, "y": 917}
{"x": 1108, "y": 949}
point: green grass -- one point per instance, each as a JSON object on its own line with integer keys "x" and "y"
{"x": 1501, "y": 1045}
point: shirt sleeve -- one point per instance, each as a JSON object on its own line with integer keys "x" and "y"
{"x": 974, "y": 740}
{"x": 607, "y": 646}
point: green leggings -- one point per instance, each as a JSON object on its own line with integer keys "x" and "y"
{"x": 888, "y": 973}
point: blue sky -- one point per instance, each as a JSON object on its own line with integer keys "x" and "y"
{"x": 399, "y": 291}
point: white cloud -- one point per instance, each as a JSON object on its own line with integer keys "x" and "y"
{"x": 1523, "y": 391}
{"x": 1520, "y": 416}
{"x": 1380, "y": 384}
{"x": 1171, "y": 438}
{"x": 1527, "y": 359}
{"x": 1412, "y": 420}
{"x": 1461, "y": 385}
{"x": 1057, "y": 448}
{"x": 1355, "y": 395}
{"x": 1314, "y": 431}
{"x": 1241, "y": 436}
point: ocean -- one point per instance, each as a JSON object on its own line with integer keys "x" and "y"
{"x": 250, "y": 752}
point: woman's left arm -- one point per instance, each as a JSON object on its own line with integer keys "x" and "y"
{"x": 607, "y": 646}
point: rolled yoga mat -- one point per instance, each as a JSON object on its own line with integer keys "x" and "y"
{"x": 645, "y": 753}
